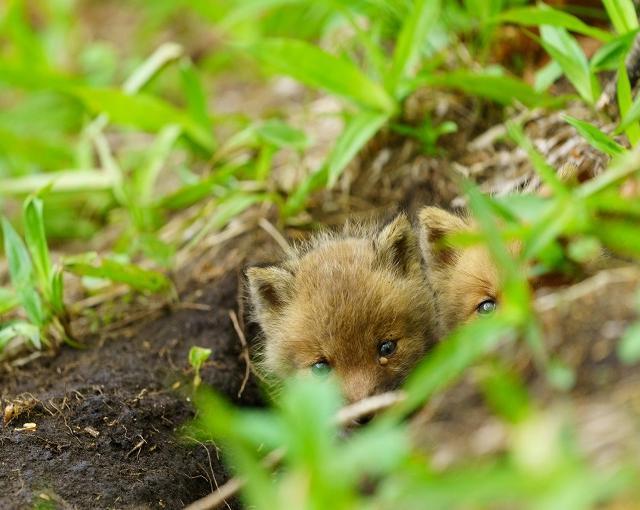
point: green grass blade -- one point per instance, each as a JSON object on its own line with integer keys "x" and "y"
{"x": 622, "y": 14}
{"x": 317, "y": 68}
{"x": 157, "y": 155}
{"x": 57, "y": 291}
{"x": 414, "y": 31}
{"x": 567, "y": 52}
{"x": 612, "y": 54}
{"x": 37, "y": 242}
{"x": 536, "y": 16}
{"x": 136, "y": 277}
{"x": 357, "y": 132}
{"x": 501, "y": 89}
{"x": 196, "y": 97}
{"x": 595, "y": 137}
{"x": 280, "y": 134}
{"x": 451, "y": 357}
{"x": 141, "y": 111}
{"x": 58, "y": 182}
{"x": 297, "y": 200}
{"x": 620, "y": 168}
{"x": 227, "y": 209}
{"x": 625, "y": 101}
{"x": 632, "y": 116}
{"x": 22, "y": 275}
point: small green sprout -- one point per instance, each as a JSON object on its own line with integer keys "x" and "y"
{"x": 197, "y": 356}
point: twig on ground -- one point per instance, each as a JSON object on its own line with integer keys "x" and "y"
{"x": 268, "y": 227}
{"x": 346, "y": 416}
{"x": 245, "y": 350}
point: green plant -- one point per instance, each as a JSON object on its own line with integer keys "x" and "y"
{"x": 37, "y": 283}
{"x": 197, "y": 357}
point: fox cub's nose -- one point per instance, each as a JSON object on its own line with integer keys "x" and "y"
{"x": 363, "y": 420}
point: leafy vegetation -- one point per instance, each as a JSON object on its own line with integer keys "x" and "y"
{"x": 91, "y": 141}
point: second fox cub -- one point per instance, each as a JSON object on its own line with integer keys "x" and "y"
{"x": 355, "y": 304}
{"x": 466, "y": 280}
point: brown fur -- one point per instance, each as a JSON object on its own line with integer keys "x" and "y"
{"x": 461, "y": 277}
{"x": 338, "y": 298}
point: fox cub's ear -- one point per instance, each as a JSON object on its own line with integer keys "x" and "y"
{"x": 270, "y": 288}
{"x": 434, "y": 224}
{"x": 397, "y": 246}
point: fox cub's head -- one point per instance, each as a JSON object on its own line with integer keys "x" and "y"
{"x": 356, "y": 306}
{"x": 465, "y": 280}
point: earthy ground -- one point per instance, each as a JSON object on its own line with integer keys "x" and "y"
{"x": 108, "y": 418}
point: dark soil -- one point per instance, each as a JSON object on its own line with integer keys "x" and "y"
{"x": 109, "y": 418}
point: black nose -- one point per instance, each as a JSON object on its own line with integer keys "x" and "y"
{"x": 363, "y": 420}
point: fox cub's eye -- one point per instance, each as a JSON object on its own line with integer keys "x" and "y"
{"x": 486, "y": 307}
{"x": 321, "y": 368}
{"x": 387, "y": 348}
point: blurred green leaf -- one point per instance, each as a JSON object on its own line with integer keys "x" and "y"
{"x": 595, "y": 137}
{"x": 629, "y": 346}
{"x": 316, "y": 68}
{"x": 22, "y": 275}
{"x": 504, "y": 392}
{"x": 546, "y": 76}
{"x": 358, "y": 130}
{"x": 559, "y": 375}
{"x": 584, "y": 249}
{"x": 620, "y": 235}
{"x": 569, "y": 55}
{"x": 141, "y": 111}
{"x": 416, "y": 27}
{"x": 625, "y": 101}
{"x": 452, "y": 356}
{"x": 20, "y": 329}
{"x": 612, "y": 54}
{"x": 189, "y": 194}
{"x": 501, "y": 89}
{"x": 8, "y": 300}
{"x": 58, "y": 182}
{"x": 622, "y": 14}
{"x": 281, "y": 134}
{"x": 196, "y": 97}
{"x": 136, "y": 277}
{"x": 545, "y": 15}
{"x": 632, "y": 115}
{"x": 145, "y": 176}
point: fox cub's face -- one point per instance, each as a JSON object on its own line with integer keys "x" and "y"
{"x": 466, "y": 280}
{"x": 357, "y": 307}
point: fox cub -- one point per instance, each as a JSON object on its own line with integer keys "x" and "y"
{"x": 356, "y": 304}
{"x": 466, "y": 280}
